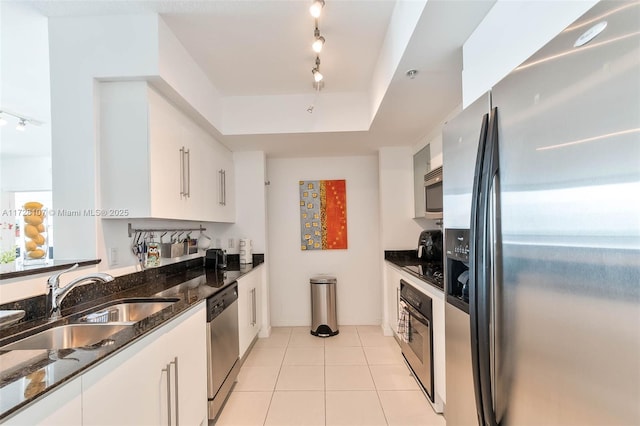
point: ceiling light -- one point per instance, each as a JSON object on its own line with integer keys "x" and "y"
{"x": 412, "y": 74}
{"x": 316, "y": 8}
{"x": 317, "y": 76}
{"x": 22, "y": 124}
{"x": 319, "y": 41}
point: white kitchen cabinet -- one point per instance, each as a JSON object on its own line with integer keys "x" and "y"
{"x": 393, "y": 296}
{"x": 128, "y": 388}
{"x": 249, "y": 308}
{"x": 61, "y": 407}
{"x": 187, "y": 345}
{"x": 421, "y": 166}
{"x": 156, "y": 162}
{"x": 159, "y": 380}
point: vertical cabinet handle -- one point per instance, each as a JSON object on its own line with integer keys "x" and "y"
{"x": 220, "y": 186}
{"x": 168, "y": 371}
{"x": 222, "y": 195}
{"x": 171, "y": 400}
{"x": 175, "y": 387}
{"x": 182, "y": 172}
{"x": 187, "y": 155}
{"x": 254, "y": 315}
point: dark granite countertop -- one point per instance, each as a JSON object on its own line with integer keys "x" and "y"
{"x": 408, "y": 261}
{"x": 27, "y": 375}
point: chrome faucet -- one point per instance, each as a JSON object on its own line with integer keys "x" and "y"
{"x": 56, "y": 294}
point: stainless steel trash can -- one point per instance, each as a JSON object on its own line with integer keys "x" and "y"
{"x": 324, "y": 321}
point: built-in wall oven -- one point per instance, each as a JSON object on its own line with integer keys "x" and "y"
{"x": 222, "y": 346}
{"x": 416, "y": 339}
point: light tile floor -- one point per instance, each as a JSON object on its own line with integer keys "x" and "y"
{"x": 355, "y": 378}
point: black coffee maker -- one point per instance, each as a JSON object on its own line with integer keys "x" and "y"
{"x": 430, "y": 246}
{"x": 216, "y": 259}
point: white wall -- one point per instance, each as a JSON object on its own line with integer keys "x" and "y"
{"x": 398, "y": 229}
{"x": 25, "y": 174}
{"x": 511, "y": 32}
{"x": 359, "y": 288}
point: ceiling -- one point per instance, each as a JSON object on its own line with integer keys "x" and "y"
{"x": 261, "y": 48}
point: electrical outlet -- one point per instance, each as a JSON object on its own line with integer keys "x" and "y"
{"x": 231, "y": 243}
{"x": 113, "y": 256}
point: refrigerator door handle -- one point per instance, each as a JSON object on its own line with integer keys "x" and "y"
{"x": 474, "y": 276}
{"x": 485, "y": 265}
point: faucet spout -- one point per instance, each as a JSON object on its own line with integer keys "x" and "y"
{"x": 57, "y": 294}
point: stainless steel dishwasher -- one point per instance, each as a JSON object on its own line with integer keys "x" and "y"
{"x": 222, "y": 346}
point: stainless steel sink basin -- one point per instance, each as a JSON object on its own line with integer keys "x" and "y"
{"x": 68, "y": 336}
{"x": 128, "y": 311}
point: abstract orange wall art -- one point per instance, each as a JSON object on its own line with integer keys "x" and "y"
{"x": 323, "y": 214}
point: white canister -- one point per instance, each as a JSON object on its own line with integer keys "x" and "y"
{"x": 246, "y": 251}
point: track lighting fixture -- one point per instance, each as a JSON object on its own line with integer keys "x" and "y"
{"x": 318, "y": 43}
{"x": 316, "y": 8}
{"x": 22, "y": 120}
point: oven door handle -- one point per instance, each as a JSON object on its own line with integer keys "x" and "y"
{"x": 413, "y": 312}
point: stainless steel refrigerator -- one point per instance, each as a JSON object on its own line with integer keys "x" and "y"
{"x": 554, "y": 234}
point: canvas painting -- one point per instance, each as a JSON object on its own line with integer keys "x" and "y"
{"x": 323, "y": 214}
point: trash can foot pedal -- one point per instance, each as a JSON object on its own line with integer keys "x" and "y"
{"x": 324, "y": 331}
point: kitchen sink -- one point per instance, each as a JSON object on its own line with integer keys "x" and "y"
{"x": 128, "y": 311}
{"x": 68, "y": 336}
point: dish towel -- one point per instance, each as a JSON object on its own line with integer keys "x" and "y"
{"x": 403, "y": 323}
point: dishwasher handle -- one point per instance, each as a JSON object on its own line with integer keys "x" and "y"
{"x": 220, "y": 301}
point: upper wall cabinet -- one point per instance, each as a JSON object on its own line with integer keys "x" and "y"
{"x": 421, "y": 166}
{"x": 156, "y": 162}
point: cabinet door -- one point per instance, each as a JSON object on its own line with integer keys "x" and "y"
{"x": 421, "y": 165}
{"x": 393, "y": 297}
{"x": 188, "y": 360}
{"x": 128, "y": 388}
{"x": 168, "y": 159}
{"x": 62, "y": 407}
{"x": 225, "y": 185}
{"x": 124, "y": 147}
{"x": 201, "y": 176}
{"x": 249, "y": 309}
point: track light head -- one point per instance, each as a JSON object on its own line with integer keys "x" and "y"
{"x": 317, "y": 76}
{"x": 316, "y": 8}
{"x": 22, "y": 124}
{"x": 318, "y": 44}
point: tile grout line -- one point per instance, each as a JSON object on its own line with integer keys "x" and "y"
{"x": 325, "y": 384}
{"x": 266, "y": 415}
{"x": 384, "y": 414}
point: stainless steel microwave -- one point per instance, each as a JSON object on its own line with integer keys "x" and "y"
{"x": 433, "y": 194}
